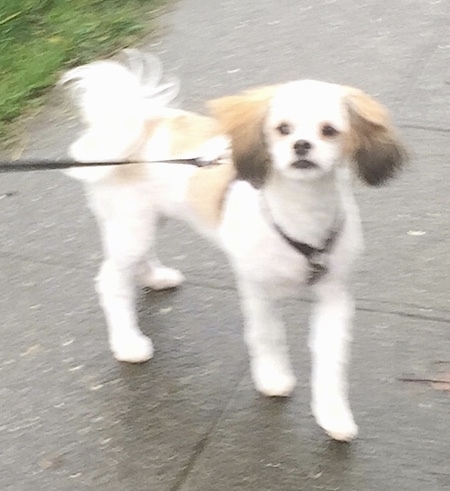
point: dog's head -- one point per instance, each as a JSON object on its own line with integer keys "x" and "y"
{"x": 306, "y": 129}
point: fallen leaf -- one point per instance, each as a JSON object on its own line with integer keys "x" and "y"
{"x": 443, "y": 382}
{"x": 51, "y": 462}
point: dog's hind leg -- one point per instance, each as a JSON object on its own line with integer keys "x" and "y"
{"x": 127, "y": 223}
{"x": 153, "y": 274}
{"x": 115, "y": 287}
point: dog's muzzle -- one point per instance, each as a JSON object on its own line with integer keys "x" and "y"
{"x": 304, "y": 164}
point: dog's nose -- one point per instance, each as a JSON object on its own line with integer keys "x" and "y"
{"x": 302, "y": 147}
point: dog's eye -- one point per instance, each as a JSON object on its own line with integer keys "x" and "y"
{"x": 284, "y": 129}
{"x": 328, "y": 130}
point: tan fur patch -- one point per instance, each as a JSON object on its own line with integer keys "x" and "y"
{"x": 369, "y": 109}
{"x": 242, "y": 118}
{"x": 207, "y": 190}
{"x": 372, "y": 143}
{"x": 189, "y": 132}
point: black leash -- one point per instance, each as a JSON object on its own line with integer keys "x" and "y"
{"x": 61, "y": 164}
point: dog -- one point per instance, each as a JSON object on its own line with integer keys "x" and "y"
{"x": 280, "y": 205}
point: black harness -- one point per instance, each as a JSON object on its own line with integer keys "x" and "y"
{"x": 317, "y": 257}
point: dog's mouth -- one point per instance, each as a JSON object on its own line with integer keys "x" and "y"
{"x": 304, "y": 164}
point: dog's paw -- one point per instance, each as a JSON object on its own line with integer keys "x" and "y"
{"x": 133, "y": 349}
{"x": 161, "y": 278}
{"x": 337, "y": 420}
{"x": 273, "y": 380}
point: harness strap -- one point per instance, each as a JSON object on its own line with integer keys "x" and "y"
{"x": 314, "y": 255}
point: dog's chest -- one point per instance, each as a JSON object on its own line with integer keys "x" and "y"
{"x": 255, "y": 246}
{"x": 281, "y": 267}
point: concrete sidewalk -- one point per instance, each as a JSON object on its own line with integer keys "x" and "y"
{"x": 73, "y": 419}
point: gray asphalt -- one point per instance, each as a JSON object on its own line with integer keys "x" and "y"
{"x": 73, "y": 419}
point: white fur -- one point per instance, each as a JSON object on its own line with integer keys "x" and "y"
{"x": 304, "y": 202}
{"x": 114, "y": 104}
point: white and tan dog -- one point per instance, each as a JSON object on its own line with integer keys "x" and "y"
{"x": 283, "y": 211}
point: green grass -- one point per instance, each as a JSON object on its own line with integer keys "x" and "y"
{"x": 38, "y": 38}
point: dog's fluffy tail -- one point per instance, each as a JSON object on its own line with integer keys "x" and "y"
{"x": 115, "y": 101}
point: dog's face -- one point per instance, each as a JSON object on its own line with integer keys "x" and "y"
{"x": 305, "y": 129}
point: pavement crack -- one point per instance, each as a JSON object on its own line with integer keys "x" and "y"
{"x": 429, "y": 318}
{"x": 200, "y": 446}
{"x": 392, "y": 308}
{"x": 431, "y": 127}
{"x": 418, "y": 67}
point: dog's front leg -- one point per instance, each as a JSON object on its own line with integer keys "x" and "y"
{"x": 329, "y": 343}
{"x": 266, "y": 340}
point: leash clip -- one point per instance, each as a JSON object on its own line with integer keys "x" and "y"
{"x": 317, "y": 268}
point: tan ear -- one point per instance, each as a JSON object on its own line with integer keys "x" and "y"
{"x": 373, "y": 144}
{"x": 242, "y": 118}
